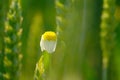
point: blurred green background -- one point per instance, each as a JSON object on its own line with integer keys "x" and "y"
{"x": 78, "y": 55}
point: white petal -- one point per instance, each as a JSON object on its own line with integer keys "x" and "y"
{"x": 50, "y": 46}
{"x": 41, "y": 44}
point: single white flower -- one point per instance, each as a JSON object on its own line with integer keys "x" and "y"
{"x": 48, "y": 41}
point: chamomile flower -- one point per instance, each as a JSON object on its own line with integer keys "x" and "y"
{"x": 48, "y": 41}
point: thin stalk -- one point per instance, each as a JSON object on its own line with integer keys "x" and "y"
{"x": 83, "y": 27}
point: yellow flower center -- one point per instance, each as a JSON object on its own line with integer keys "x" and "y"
{"x": 49, "y": 35}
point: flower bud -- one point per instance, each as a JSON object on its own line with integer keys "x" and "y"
{"x": 48, "y": 41}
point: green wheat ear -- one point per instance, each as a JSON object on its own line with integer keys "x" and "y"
{"x": 107, "y": 33}
{"x": 42, "y": 67}
{"x": 12, "y": 42}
